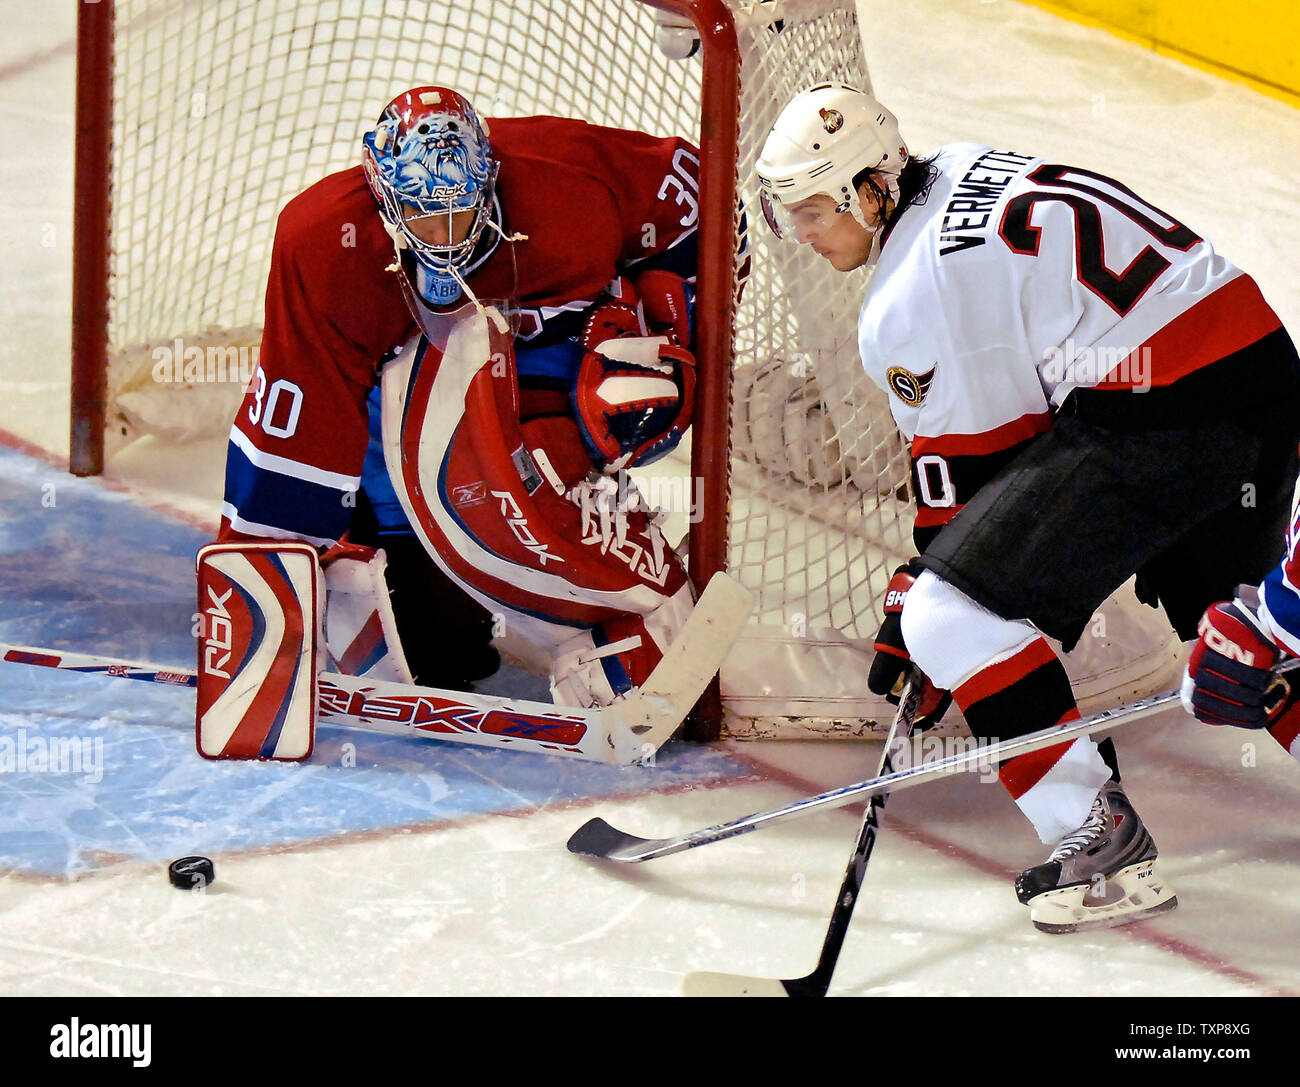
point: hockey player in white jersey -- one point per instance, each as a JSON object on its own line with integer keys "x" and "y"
{"x": 1090, "y": 392}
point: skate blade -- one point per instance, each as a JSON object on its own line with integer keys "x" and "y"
{"x": 1133, "y": 893}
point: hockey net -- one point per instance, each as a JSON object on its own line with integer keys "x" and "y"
{"x": 797, "y": 481}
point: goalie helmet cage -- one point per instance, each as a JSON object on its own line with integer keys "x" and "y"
{"x": 197, "y": 122}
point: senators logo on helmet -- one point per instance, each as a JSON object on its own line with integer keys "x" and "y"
{"x": 832, "y": 119}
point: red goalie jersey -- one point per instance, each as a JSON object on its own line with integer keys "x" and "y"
{"x": 594, "y": 203}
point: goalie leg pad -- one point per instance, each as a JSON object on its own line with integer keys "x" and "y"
{"x": 361, "y": 635}
{"x": 258, "y": 606}
{"x": 489, "y": 511}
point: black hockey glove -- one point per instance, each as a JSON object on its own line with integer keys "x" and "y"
{"x": 1229, "y": 678}
{"x": 893, "y": 663}
{"x": 892, "y": 659}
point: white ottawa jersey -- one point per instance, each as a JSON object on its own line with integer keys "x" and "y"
{"x": 1016, "y": 281}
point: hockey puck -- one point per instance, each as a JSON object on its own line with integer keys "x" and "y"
{"x": 191, "y": 873}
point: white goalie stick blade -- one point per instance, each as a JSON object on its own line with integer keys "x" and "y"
{"x": 641, "y": 722}
{"x": 622, "y": 734}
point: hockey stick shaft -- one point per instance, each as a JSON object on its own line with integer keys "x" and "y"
{"x": 94, "y": 664}
{"x": 630, "y": 730}
{"x": 818, "y": 982}
{"x": 391, "y": 708}
{"x": 623, "y": 733}
{"x": 599, "y": 839}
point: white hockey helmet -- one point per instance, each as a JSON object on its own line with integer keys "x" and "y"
{"x": 826, "y": 136}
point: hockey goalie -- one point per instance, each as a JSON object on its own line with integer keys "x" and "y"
{"x": 467, "y": 335}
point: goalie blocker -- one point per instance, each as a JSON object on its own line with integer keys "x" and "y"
{"x": 258, "y": 632}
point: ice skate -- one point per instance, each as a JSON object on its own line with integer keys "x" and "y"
{"x": 1102, "y": 874}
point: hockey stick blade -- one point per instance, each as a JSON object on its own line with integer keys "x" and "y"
{"x": 630, "y": 849}
{"x": 596, "y": 838}
{"x": 708, "y": 983}
{"x": 643, "y": 721}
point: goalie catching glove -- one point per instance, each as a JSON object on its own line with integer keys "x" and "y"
{"x": 1229, "y": 678}
{"x": 634, "y": 392}
{"x": 893, "y": 663}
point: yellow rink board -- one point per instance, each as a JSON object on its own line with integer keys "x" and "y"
{"x": 1254, "y": 41}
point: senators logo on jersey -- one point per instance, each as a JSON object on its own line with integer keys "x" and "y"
{"x": 910, "y": 388}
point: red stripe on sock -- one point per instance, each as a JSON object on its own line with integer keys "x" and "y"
{"x": 1023, "y": 772}
{"x": 998, "y": 677}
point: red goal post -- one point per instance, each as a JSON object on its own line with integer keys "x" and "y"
{"x": 91, "y": 236}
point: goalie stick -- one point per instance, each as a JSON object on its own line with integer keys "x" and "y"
{"x": 622, "y": 733}
{"x": 597, "y": 838}
{"x": 710, "y": 983}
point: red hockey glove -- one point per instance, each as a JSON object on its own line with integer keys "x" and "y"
{"x": 1230, "y": 672}
{"x": 634, "y": 393}
{"x": 893, "y": 662}
{"x": 610, "y": 320}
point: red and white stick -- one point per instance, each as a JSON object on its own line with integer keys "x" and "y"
{"x": 626, "y": 732}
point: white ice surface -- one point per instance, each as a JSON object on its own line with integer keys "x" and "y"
{"x": 491, "y": 903}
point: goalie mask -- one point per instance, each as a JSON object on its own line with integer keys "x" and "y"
{"x": 825, "y": 137}
{"x": 430, "y": 167}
